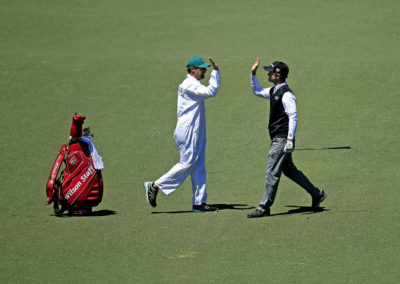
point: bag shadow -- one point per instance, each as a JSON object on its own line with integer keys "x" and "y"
{"x": 99, "y": 213}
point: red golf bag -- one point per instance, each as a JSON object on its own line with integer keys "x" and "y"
{"x": 78, "y": 186}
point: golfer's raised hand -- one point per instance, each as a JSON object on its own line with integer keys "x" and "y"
{"x": 215, "y": 66}
{"x": 255, "y": 66}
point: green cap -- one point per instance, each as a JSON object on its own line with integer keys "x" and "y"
{"x": 197, "y": 61}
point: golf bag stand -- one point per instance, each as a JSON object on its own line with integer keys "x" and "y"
{"x": 74, "y": 183}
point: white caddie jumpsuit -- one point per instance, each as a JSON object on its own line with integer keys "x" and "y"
{"x": 190, "y": 137}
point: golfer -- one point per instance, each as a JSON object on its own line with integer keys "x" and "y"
{"x": 190, "y": 137}
{"x": 282, "y": 129}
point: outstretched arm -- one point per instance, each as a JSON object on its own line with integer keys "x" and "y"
{"x": 255, "y": 86}
{"x": 255, "y": 66}
{"x": 215, "y": 66}
{"x": 206, "y": 91}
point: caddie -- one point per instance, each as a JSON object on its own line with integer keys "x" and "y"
{"x": 190, "y": 137}
{"x": 282, "y": 128}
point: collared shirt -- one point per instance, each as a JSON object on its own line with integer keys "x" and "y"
{"x": 191, "y": 96}
{"x": 288, "y": 101}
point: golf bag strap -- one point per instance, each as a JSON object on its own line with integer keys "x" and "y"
{"x": 54, "y": 172}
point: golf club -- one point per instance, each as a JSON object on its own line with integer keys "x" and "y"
{"x": 325, "y": 148}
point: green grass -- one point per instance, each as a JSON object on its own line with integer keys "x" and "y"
{"x": 119, "y": 63}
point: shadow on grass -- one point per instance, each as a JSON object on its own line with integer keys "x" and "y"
{"x": 301, "y": 210}
{"x": 219, "y": 206}
{"x": 233, "y": 206}
{"x": 103, "y": 213}
{"x": 99, "y": 213}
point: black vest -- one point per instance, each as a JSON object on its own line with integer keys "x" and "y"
{"x": 278, "y": 120}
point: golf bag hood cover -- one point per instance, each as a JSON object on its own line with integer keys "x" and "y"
{"x": 76, "y": 126}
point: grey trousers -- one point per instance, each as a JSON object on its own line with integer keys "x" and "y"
{"x": 278, "y": 162}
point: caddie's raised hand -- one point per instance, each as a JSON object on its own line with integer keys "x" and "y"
{"x": 255, "y": 66}
{"x": 215, "y": 66}
{"x": 289, "y": 147}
